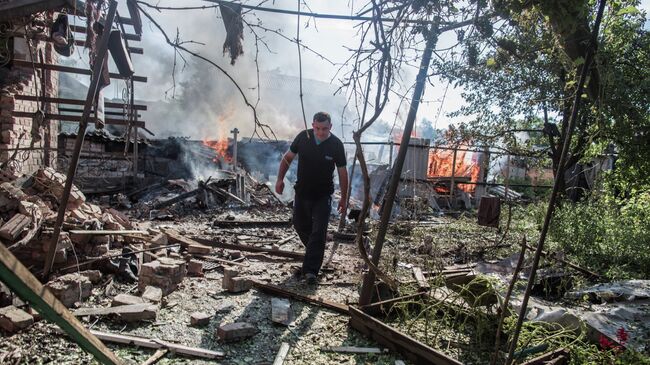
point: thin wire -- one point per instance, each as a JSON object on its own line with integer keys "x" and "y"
{"x": 302, "y": 105}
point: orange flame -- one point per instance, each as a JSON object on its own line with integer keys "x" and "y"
{"x": 221, "y": 148}
{"x": 467, "y": 165}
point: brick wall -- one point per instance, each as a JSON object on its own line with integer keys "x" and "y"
{"x": 36, "y": 146}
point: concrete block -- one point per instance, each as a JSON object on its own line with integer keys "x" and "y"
{"x": 138, "y": 312}
{"x": 281, "y": 311}
{"x": 235, "y": 331}
{"x": 126, "y": 299}
{"x": 195, "y": 268}
{"x": 152, "y": 294}
{"x": 13, "y": 319}
{"x": 199, "y": 319}
{"x": 70, "y": 288}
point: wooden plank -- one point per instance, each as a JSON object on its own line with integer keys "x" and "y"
{"x": 107, "y": 232}
{"x": 187, "y": 243}
{"x": 105, "y": 311}
{"x": 155, "y": 357}
{"x": 76, "y": 70}
{"x": 234, "y": 246}
{"x": 422, "y": 282}
{"x": 76, "y": 118}
{"x": 127, "y": 36}
{"x": 414, "y": 350}
{"x": 27, "y": 287}
{"x": 354, "y": 350}
{"x": 49, "y": 99}
{"x": 158, "y": 344}
{"x": 276, "y": 290}
{"x": 267, "y": 223}
{"x": 282, "y": 354}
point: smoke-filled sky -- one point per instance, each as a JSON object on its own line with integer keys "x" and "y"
{"x": 206, "y": 105}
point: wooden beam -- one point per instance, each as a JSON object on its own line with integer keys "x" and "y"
{"x": 16, "y": 276}
{"x": 107, "y": 112}
{"x": 108, "y": 232}
{"x": 98, "y": 64}
{"x": 127, "y": 36}
{"x": 276, "y": 290}
{"x": 158, "y": 344}
{"x": 75, "y": 118}
{"x": 282, "y": 354}
{"x": 416, "y": 351}
{"x": 155, "y": 357}
{"x": 233, "y": 246}
{"x": 48, "y": 99}
{"x": 75, "y": 70}
{"x": 133, "y": 50}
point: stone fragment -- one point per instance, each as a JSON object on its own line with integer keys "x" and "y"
{"x": 70, "y": 288}
{"x": 235, "y": 331}
{"x": 10, "y": 197}
{"x": 139, "y": 312}
{"x": 93, "y": 275}
{"x": 159, "y": 240}
{"x": 240, "y": 285}
{"x": 165, "y": 273}
{"x": 281, "y": 311}
{"x": 152, "y": 294}
{"x": 225, "y": 306}
{"x": 195, "y": 268}
{"x": 13, "y": 319}
{"x": 48, "y": 180}
{"x": 200, "y": 319}
{"x": 126, "y": 299}
{"x": 15, "y": 227}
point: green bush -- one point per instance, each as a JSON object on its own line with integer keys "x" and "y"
{"x": 608, "y": 235}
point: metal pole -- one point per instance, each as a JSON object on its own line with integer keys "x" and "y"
{"x": 235, "y": 132}
{"x": 390, "y": 155}
{"x": 387, "y": 208}
{"x": 507, "y": 181}
{"x": 134, "y": 117}
{"x": 453, "y": 176}
{"x": 345, "y": 211}
{"x": 102, "y": 52}
{"x": 586, "y": 66}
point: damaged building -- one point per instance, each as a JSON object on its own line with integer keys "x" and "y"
{"x": 121, "y": 246}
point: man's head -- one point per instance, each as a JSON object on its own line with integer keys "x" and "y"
{"x": 322, "y": 125}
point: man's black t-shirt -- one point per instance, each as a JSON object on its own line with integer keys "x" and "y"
{"x": 316, "y": 164}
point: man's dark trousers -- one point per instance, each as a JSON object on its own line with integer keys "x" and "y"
{"x": 310, "y": 218}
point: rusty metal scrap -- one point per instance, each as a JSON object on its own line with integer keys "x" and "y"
{"x": 276, "y": 290}
{"x": 396, "y": 341}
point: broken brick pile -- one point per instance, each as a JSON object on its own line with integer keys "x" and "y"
{"x": 28, "y": 210}
{"x": 165, "y": 273}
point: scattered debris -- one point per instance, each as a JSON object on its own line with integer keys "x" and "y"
{"x": 281, "y": 311}
{"x": 13, "y": 319}
{"x": 199, "y": 319}
{"x": 235, "y": 331}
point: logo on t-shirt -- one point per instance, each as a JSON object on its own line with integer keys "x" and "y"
{"x": 329, "y": 158}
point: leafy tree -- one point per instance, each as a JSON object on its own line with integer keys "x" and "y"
{"x": 524, "y": 65}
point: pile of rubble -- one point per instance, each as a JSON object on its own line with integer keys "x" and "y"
{"x": 28, "y": 210}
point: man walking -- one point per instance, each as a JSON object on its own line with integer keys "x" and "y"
{"x": 318, "y": 152}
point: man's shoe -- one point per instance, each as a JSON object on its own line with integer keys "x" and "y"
{"x": 311, "y": 279}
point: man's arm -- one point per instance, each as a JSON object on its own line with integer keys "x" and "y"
{"x": 343, "y": 184}
{"x": 287, "y": 158}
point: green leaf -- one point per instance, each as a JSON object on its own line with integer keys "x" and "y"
{"x": 628, "y": 10}
{"x": 578, "y": 61}
{"x": 491, "y": 62}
